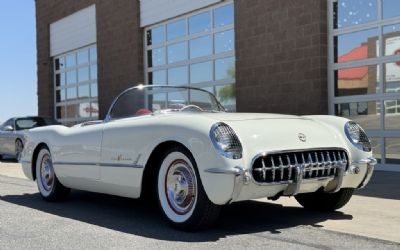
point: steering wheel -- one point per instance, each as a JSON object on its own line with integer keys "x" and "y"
{"x": 191, "y": 108}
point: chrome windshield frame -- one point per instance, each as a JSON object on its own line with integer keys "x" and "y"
{"x": 141, "y": 86}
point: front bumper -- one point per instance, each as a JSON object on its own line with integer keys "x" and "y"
{"x": 357, "y": 176}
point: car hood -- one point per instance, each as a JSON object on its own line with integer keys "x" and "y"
{"x": 274, "y": 132}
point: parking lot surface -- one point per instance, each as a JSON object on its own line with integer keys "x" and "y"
{"x": 96, "y": 221}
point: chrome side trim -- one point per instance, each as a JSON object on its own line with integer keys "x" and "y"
{"x": 118, "y": 165}
{"x": 223, "y": 170}
{"x": 26, "y": 162}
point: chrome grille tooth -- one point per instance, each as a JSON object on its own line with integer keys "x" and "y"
{"x": 311, "y": 164}
{"x": 324, "y": 163}
{"x": 264, "y": 170}
{"x": 335, "y": 162}
{"x": 330, "y": 163}
{"x": 317, "y": 162}
{"x": 273, "y": 168}
{"x": 303, "y": 164}
{"x": 290, "y": 167}
{"x": 281, "y": 167}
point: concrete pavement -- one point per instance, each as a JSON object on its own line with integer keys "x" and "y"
{"x": 373, "y": 212}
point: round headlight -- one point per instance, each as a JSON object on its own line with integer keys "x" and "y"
{"x": 226, "y": 141}
{"x": 357, "y": 136}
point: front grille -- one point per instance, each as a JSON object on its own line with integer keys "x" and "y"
{"x": 283, "y": 167}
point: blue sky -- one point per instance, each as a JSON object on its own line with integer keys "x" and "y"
{"x": 18, "y": 78}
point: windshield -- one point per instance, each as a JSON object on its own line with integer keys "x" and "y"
{"x": 145, "y": 100}
{"x": 32, "y": 122}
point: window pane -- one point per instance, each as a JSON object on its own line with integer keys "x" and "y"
{"x": 72, "y": 111}
{"x": 201, "y": 46}
{"x": 156, "y": 57}
{"x": 392, "y": 146}
{"x": 353, "y": 12}
{"x": 176, "y": 29}
{"x": 83, "y": 91}
{"x": 158, "y": 77}
{"x": 225, "y": 68}
{"x": 83, "y": 56}
{"x": 357, "y": 46}
{"x": 391, "y": 8}
{"x": 93, "y": 72}
{"x": 62, "y": 78}
{"x": 177, "y": 52}
{"x": 83, "y": 74}
{"x": 84, "y": 109}
{"x": 178, "y": 76}
{"x": 392, "y": 77}
{"x": 392, "y": 114}
{"x": 93, "y": 90}
{"x": 58, "y": 95}
{"x": 156, "y": 35}
{"x": 71, "y": 60}
{"x": 60, "y": 112}
{"x": 391, "y": 38}
{"x": 367, "y": 114}
{"x": 58, "y": 80}
{"x": 199, "y": 23}
{"x": 224, "y": 41}
{"x": 71, "y": 77}
{"x": 227, "y": 96}
{"x": 93, "y": 54}
{"x": 94, "y": 111}
{"x": 223, "y": 15}
{"x": 201, "y": 72}
{"x": 71, "y": 93}
{"x": 57, "y": 64}
{"x": 62, "y": 95}
{"x": 376, "y": 148}
{"x": 357, "y": 81}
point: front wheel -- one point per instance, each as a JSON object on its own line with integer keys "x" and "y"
{"x": 181, "y": 194}
{"x": 49, "y": 186}
{"x": 327, "y": 202}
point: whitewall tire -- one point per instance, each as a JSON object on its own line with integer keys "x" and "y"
{"x": 49, "y": 187}
{"x": 181, "y": 194}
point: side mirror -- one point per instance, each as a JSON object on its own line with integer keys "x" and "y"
{"x": 8, "y": 128}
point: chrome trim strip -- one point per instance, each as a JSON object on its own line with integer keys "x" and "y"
{"x": 120, "y": 165}
{"x": 27, "y": 162}
{"x": 223, "y": 170}
{"x": 74, "y": 163}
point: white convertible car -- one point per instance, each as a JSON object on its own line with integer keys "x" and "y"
{"x": 179, "y": 144}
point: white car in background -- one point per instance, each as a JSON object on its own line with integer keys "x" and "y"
{"x": 179, "y": 144}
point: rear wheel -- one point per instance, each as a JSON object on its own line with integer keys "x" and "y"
{"x": 181, "y": 194}
{"x": 49, "y": 187}
{"x": 19, "y": 146}
{"x": 325, "y": 201}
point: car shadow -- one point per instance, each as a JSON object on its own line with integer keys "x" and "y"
{"x": 138, "y": 218}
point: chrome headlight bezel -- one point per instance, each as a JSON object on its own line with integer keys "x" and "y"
{"x": 357, "y": 136}
{"x": 225, "y": 141}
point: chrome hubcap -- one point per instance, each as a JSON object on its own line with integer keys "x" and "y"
{"x": 47, "y": 173}
{"x": 181, "y": 187}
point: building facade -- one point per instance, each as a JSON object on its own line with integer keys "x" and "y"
{"x": 338, "y": 57}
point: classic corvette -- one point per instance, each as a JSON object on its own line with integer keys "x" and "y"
{"x": 12, "y": 134}
{"x": 179, "y": 144}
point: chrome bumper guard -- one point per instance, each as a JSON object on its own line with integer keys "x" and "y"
{"x": 371, "y": 163}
